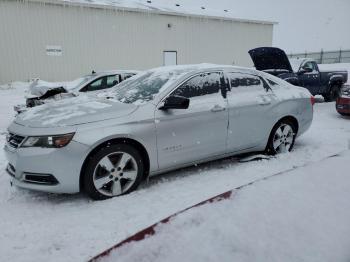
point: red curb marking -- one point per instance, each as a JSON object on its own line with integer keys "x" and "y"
{"x": 150, "y": 231}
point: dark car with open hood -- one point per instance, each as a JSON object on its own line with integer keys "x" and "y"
{"x": 301, "y": 72}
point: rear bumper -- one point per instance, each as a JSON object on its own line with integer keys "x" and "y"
{"x": 343, "y": 105}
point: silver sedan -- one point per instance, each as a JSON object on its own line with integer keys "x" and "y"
{"x": 160, "y": 120}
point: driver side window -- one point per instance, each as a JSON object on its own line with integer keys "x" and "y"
{"x": 200, "y": 85}
{"x": 309, "y": 65}
{"x": 95, "y": 85}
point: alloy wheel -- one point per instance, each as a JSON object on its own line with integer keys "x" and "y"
{"x": 115, "y": 174}
{"x": 283, "y": 138}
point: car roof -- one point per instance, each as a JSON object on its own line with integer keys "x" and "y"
{"x": 197, "y": 68}
{"x": 111, "y": 72}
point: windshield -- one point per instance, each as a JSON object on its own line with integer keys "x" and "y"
{"x": 143, "y": 87}
{"x": 295, "y": 63}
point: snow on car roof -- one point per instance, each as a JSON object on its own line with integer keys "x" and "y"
{"x": 115, "y": 72}
{"x": 159, "y": 7}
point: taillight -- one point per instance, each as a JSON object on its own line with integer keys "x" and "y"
{"x": 312, "y": 100}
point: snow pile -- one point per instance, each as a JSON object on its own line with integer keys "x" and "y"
{"x": 302, "y": 215}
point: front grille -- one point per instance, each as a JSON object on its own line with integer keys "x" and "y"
{"x": 42, "y": 179}
{"x": 14, "y": 140}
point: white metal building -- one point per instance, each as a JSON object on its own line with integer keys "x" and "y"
{"x": 58, "y": 40}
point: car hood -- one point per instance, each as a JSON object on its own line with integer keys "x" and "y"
{"x": 74, "y": 111}
{"x": 267, "y": 58}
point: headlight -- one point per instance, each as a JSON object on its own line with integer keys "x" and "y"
{"x": 56, "y": 141}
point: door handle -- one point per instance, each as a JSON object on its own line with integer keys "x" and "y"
{"x": 217, "y": 108}
{"x": 265, "y": 103}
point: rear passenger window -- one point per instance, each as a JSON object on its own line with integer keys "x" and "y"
{"x": 203, "y": 84}
{"x": 245, "y": 81}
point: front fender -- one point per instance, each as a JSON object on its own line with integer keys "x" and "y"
{"x": 143, "y": 132}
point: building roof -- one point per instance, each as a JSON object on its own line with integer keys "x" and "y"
{"x": 153, "y": 6}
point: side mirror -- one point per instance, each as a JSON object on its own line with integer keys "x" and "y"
{"x": 305, "y": 70}
{"x": 175, "y": 102}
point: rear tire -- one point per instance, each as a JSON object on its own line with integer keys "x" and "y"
{"x": 113, "y": 171}
{"x": 333, "y": 94}
{"x": 282, "y": 138}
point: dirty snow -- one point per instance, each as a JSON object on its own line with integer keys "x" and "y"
{"x": 47, "y": 227}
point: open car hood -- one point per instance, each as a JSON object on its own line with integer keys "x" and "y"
{"x": 270, "y": 58}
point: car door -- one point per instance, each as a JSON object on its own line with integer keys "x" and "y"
{"x": 199, "y": 132}
{"x": 310, "y": 80}
{"x": 249, "y": 101}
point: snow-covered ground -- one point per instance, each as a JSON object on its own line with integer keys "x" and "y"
{"x": 302, "y": 215}
{"x": 46, "y": 227}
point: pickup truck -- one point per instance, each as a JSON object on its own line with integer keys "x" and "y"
{"x": 301, "y": 72}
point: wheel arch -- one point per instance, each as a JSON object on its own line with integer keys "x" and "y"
{"x": 290, "y": 118}
{"x": 113, "y": 141}
{"x": 336, "y": 80}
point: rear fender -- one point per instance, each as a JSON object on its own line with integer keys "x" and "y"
{"x": 336, "y": 80}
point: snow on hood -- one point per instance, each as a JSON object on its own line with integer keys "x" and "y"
{"x": 73, "y": 111}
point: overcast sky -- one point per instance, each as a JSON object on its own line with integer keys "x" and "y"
{"x": 303, "y": 25}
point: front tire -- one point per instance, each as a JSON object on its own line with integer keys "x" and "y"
{"x": 282, "y": 138}
{"x": 113, "y": 171}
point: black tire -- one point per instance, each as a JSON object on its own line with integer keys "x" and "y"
{"x": 88, "y": 177}
{"x": 334, "y": 93}
{"x": 270, "y": 150}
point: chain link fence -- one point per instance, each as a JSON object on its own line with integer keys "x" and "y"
{"x": 325, "y": 57}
